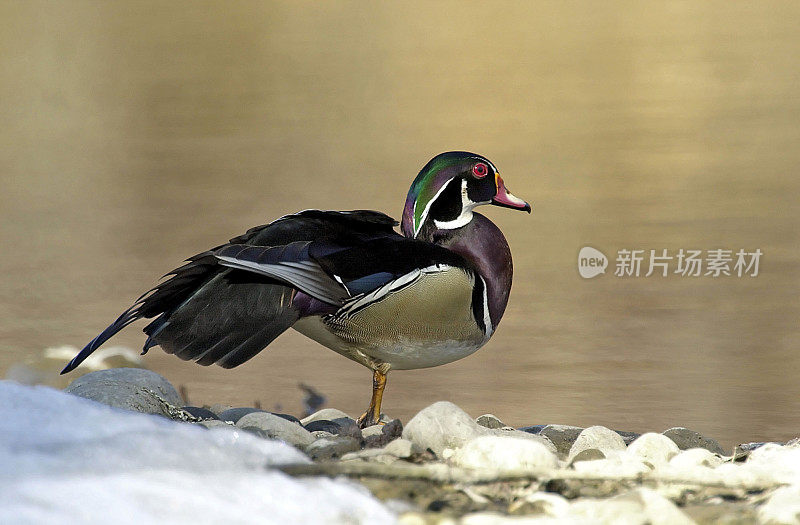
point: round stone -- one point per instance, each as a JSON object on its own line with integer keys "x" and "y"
{"x": 235, "y": 414}
{"x": 328, "y": 414}
{"x": 656, "y": 449}
{"x": 505, "y": 453}
{"x": 686, "y": 439}
{"x": 598, "y": 437}
{"x": 489, "y": 421}
{"x": 271, "y": 426}
{"x": 133, "y": 389}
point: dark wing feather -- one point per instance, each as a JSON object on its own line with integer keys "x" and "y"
{"x": 173, "y": 301}
{"x": 392, "y": 256}
{"x": 336, "y": 270}
{"x": 162, "y": 298}
{"x": 228, "y": 320}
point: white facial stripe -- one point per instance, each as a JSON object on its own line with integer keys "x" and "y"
{"x": 466, "y": 205}
{"x": 428, "y": 207}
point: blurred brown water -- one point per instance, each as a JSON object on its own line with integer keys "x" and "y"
{"x": 135, "y": 134}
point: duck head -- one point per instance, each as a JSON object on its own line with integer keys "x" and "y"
{"x": 449, "y": 187}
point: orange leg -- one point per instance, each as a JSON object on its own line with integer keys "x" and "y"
{"x": 373, "y": 413}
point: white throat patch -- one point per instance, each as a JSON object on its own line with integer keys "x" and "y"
{"x": 463, "y": 219}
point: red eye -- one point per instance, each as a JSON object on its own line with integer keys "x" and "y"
{"x": 480, "y": 170}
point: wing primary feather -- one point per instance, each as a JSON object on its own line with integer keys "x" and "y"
{"x": 304, "y": 275}
{"x": 127, "y": 317}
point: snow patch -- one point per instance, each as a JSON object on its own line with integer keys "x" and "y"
{"x": 65, "y": 459}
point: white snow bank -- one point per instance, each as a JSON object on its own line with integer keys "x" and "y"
{"x": 64, "y": 459}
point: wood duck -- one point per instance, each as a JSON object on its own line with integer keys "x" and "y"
{"x": 347, "y": 280}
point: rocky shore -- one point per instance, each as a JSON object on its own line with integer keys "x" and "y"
{"x": 444, "y": 466}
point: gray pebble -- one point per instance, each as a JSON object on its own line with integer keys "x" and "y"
{"x": 627, "y": 437}
{"x": 686, "y": 439}
{"x": 271, "y": 426}
{"x": 348, "y": 427}
{"x": 235, "y": 414}
{"x": 489, "y": 421}
{"x": 326, "y": 413}
{"x": 397, "y": 449}
{"x": 389, "y": 432}
{"x": 287, "y": 417}
{"x": 562, "y": 436}
{"x": 590, "y": 454}
{"x": 323, "y": 425}
{"x": 343, "y": 426}
{"x": 374, "y": 430}
{"x": 331, "y": 448}
{"x": 743, "y": 450}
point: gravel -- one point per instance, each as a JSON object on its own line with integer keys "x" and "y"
{"x": 575, "y": 475}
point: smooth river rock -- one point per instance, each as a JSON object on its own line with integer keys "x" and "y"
{"x": 341, "y": 426}
{"x": 133, "y": 389}
{"x": 271, "y": 426}
{"x": 331, "y": 448}
{"x": 695, "y": 457}
{"x": 652, "y": 448}
{"x": 388, "y": 433}
{"x": 440, "y": 426}
{"x": 489, "y": 421}
{"x": 444, "y": 425}
{"x": 686, "y": 439}
{"x": 504, "y": 453}
{"x": 138, "y": 376}
{"x": 562, "y": 436}
{"x": 328, "y": 414}
{"x": 235, "y": 414}
{"x": 601, "y": 438}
